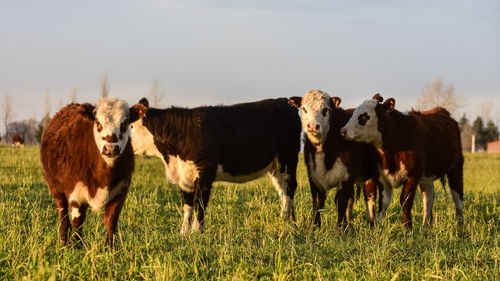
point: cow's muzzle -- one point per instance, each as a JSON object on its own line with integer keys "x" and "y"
{"x": 110, "y": 149}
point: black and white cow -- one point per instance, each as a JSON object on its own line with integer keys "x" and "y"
{"x": 332, "y": 161}
{"x": 236, "y": 143}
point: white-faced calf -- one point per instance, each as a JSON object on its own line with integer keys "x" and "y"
{"x": 87, "y": 160}
{"x": 417, "y": 148}
{"x": 332, "y": 161}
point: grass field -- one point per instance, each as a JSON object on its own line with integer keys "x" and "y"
{"x": 245, "y": 238}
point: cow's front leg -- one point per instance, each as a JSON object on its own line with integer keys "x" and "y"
{"x": 111, "y": 215}
{"x": 188, "y": 204}
{"x": 370, "y": 194}
{"x": 203, "y": 186}
{"x": 385, "y": 197}
{"x": 406, "y": 200}
{"x": 318, "y": 198}
{"x": 343, "y": 201}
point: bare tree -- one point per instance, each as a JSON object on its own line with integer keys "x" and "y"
{"x": 156, "y": 94}
{"x": 104, "y": 86}
{"x": 485, "y": 110}
{"x": 48, "y": 103}
{"x": 7, "y": 113}
{"x": 73, "y": 97}
{"x": 437, "y": 94}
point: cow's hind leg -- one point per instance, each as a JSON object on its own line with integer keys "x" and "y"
{"x": 385, "y": 197}
{"x": 203, "y": 186}
{"x": 283, "y": 176}
{"x": 427, "y": 192}
{"x": 188, "y": 204}
{"x": 456, "y": 182}
{"x": 62, "y": 211}
{"x": 77, "y": 214}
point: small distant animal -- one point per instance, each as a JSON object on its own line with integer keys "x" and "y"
{"x": 18, "y": 140}
{"x": 87, "y": 160}
{"x": 236, "y": 143}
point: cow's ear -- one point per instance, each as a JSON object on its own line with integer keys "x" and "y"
{"x": 378, "y": 97}
{"x": 145, "y": 102}
{"x": 295, "y": 101}
{"x": 336, "y": 101}
{"x": 137, "y": 111}
{"x": 88, "y": 110}
{"x": 389, "y": 104}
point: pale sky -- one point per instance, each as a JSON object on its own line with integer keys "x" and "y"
{"x": 221, "y": 51}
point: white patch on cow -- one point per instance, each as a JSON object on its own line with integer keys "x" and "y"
{"x": 458, "y": 205}
{"x": 370, "y": 207}
{"x": 367, "y": 133}
{"x": 397, "y": 178}
{"x": 102, "y": 196}
{"x": 427, "y": 192}
{"x": 324, "y": 178}
{"x": 348, "y": 211}
{"x": 280, "y": 182}
{"x": 111, "y": 113}
{"x": 181, "y": 172}
{"x": 143, "y": 140}
{"x": 75, "y": 213}
{"x": 386, "y": 194}
{"x": 313, "y": 105}
{"x": 196, "y": 227}
{"x": 188, "y": 213}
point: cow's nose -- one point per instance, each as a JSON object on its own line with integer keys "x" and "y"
{"x": 312, "y": 127}
{"x": 110, "y": 149}
{"x": 343, "y": 131}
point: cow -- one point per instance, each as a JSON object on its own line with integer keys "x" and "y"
{"x": 87, "y": 160}
{"x": 417, "y": 148}
{"x": 236, "y": 143}
{"x": 18, "y": 140}
{"x": 332, "y": 161}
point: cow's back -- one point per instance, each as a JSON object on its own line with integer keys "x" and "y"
{"x": 441, "y": 140}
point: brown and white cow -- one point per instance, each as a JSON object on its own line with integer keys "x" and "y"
{"x": 417, "y": 147}
{"x": 236, "y": 143}
{"x": 18, "y": 140}
{"x": 331, "y": 160}
{"x": 87, "y": 160}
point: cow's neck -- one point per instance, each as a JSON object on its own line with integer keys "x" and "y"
{"x": 399, "y": 134}
{"x": 335, "y": 144}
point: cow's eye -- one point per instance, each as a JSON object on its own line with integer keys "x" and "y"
{"x": 99, "y": 125}
{"x": 363, "y": 118}
{"x": 304, "y": 109}
{"x": 324, "y": 111}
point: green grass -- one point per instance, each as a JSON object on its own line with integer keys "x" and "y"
{"x": 245, "y": 238}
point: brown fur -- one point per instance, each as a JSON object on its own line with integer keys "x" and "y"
{"x": 427, "y": 143}
{"x": 69, "y": 155}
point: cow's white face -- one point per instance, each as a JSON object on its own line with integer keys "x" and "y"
{"x": 111, "y": 128}
{"x": 315, "y": 110}
{"x": 142, "y": 140}
{"x": 363, "y": 125}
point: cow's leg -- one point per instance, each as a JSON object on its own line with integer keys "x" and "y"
{"x": 284, "y": 180}
{"x": 385, "y": 195}
{"x": 406, "y": 200}
{"x": 318, "y": 197}
{"x": 62, "y": 211}
{"x": 456, "y": 182}
{"x": 427, "y": 192}
{"x": 188, "y": 204}
{"x": 370, "y": 194}
{"x": 111, "y": 214}
{"x": 343, "y": 201}
{"x": 202, "y": 188}
{"x": 77, "y": 214}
